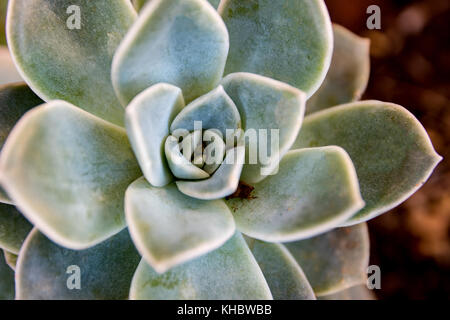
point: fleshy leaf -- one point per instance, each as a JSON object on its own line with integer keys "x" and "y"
{"x": 266, "y": 104}
{"x": 179, "y": 165}
{"x": 68, "y": 63}
{"x": 181, "y": 42}
{"x": 10, "y": 259}
{"x": 349, "y": 72}
{"x": 148, "y": 118}
{"x": 170, "y": 228}
{"x": 67, "y": 171}
{"x": 228, "y": 273}
{"x": 8, "y": 71}
{"x": 223, "y": 182}
{"x": 14, "y": 228}
{"x": 291, "y": 42}
{"x": 283, "y": 274}
{"x": 314, "y": 191}
{"x": 46, "y": 271}
{"x": 390, "y": 149}
{"x": 334, "y": 261}
{"x": 6, "y": 280}
{"x": 215, "y": 110}
{"x": 360, "y": 292}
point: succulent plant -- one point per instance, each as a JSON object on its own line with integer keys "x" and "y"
{"x": 110, "y": 173}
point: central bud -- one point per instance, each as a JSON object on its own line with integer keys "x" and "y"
{"x": 195, "y": 155}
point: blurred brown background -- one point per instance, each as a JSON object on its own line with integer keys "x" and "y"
{"x": 411, "y": 66}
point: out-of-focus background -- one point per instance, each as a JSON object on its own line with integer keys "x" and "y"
{"x": 410, "y": 60}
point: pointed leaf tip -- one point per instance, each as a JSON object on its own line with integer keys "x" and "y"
{"x": 390, "y": 149}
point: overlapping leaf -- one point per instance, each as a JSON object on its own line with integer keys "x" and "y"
{"x": 148, "y": 119}
{"x": 228, "y": 273}
{"x": 283, "y": 274}
{"x": 67, "y": 171}
{"x": 314, "y": 191}
{"x": 390, "y": 149}
{"x": 46, "y": 271}
{"x": 181, "y": 42}
{"x": 349, "y": 72}
{"x": 334, "y": 261}
{"x": 68, "y": 63}
{"x": 170, "y": 228}
{"x": 290, "y": 41}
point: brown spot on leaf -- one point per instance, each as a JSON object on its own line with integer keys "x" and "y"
{"x": 243, "y": 191}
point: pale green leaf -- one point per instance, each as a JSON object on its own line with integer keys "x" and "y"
{"x": 46, "y": 271}
{"x": 228, "y": 273}
{"x": 70, "y": 64}
{"x": 223, "y": 182}
{"x": 290, "y": 41}
{"x": 314, "y": 191}
{"x": 67, "y": 171}
{"x": 14, "y": 228}
{"x": 349, "y": 72}
{"x": 181, "y": 42}
{"x": 265, "y": 105}
{"x": 170, "y": 228}
{"x": 283, "y": 274}
{"x": 390, "y": 149}
{"x": 334, "y": 261}
{"x": 148, "y": 118}
{"x": 214, "y": 110}
{"x": 6, "y": 280}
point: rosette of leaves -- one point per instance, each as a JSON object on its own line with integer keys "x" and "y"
{"x": 98, "y": 173}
